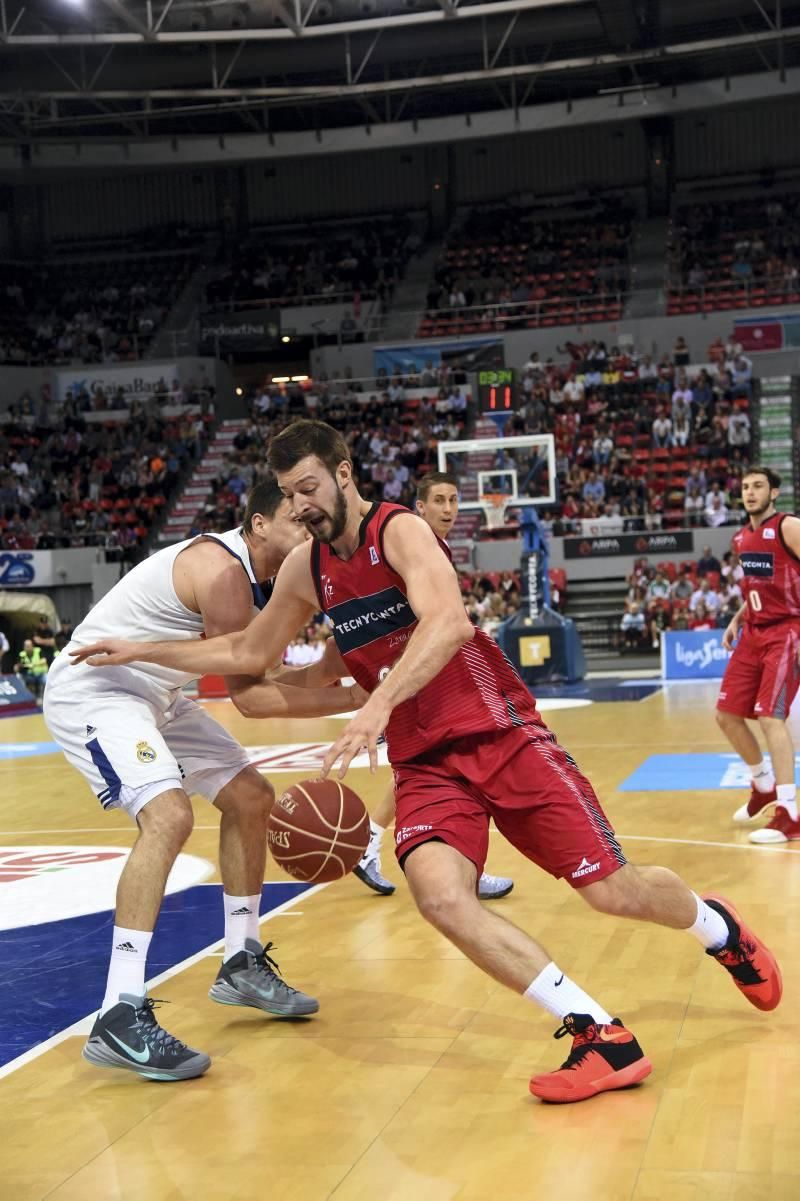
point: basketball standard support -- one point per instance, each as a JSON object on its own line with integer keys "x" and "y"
{"x": 540, "y": 643}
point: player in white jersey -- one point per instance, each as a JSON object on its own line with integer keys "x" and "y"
{"x": 437, "y": 503}
{"x": 144, "y": 747}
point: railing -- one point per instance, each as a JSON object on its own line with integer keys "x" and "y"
{"x": 740, "y": 292}
{"x": 300, "y": 300}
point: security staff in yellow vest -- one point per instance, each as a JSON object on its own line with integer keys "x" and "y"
{"x": 31, "y": 664}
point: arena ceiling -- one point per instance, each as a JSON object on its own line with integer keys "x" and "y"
{"x": 133, "y": 69}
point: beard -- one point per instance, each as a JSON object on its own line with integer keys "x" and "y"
{"x": 337, "y": 520}
{"x": 761, "y": 510}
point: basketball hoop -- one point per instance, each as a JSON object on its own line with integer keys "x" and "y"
{"x": 494, "y": 509}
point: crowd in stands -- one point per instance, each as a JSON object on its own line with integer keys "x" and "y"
{"x": 392, "y": 437}
{"x": 65, "y": 482}
{"x": 643, "y": 442}
{"x": 507, "y": 267}
{"x": 735, "y": 254}
{"x": 701, "y": 595}
{"x": 332, "y": 263}
{"x": 87, "y": 311}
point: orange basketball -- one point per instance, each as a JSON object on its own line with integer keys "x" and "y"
{"x": 318, "y": 830}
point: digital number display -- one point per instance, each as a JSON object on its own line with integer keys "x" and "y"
{"x": 497, "y": 390}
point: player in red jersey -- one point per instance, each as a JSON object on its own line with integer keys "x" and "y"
{"x": 467, "y": 744}
{"x": 437, "y": 504}
{"x": 763, "y": 674}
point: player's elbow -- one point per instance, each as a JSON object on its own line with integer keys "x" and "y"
{"x": 254, "y": 701}
{"x": 461, "y": 632}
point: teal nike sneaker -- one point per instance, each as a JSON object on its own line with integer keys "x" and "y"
{"x": 250, "y": 978}
{"x": 129, "y": 1037}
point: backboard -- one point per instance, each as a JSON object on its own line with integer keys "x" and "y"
{"x": 521, "y": 469}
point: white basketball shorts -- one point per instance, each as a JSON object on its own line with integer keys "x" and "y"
{"x": 123, "y": 743}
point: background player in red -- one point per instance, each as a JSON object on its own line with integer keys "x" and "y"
{"x": 763, "y": 674}
{"x": 437, "y": 504}
{"x": 467, "y": 744}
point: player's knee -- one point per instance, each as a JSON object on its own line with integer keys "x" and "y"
{"x": 446, "y": 908}
{"x": 771, "y": 724}
{"x": 619, "y": 895}
{"x": 727, "y": 721}
{"x": 248, "y": 796}
{"x": 167, "y": 818}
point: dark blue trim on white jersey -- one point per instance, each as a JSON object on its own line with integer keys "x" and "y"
{"x": 112, "y": 780}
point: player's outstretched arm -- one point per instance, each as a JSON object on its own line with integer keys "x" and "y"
{"x": 249, "y": 652}
{"x": 442, "y": 629}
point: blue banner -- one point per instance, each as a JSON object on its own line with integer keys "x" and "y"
{"x": 693, "y": 655}
{"x": 471, "y": 353}
{"x": 14, "y": 694}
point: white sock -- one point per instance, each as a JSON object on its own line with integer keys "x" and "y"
{"x": 787, "y": 797}
{"x": 127, "y": 967}
{"x": 710, "y": 928}
{"x": 762, "y": 777}
{"x": 556, "y": 993}
{"x": 241, "y": 922}
{"x": 376, "y": 834}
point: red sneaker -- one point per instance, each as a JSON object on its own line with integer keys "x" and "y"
{"x": 753, "y": 967}
{"x": 780, "y": 828}
{"x": 758, "y": 806}
{"x": 602, "y": 1058}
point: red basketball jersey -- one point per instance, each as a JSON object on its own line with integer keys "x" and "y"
{"x": 771, "y": 583}
{"x": 476, "y": 692}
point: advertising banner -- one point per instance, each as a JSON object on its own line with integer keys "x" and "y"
{"x": 47, "y": 568}
{"x": 471, "y": 353}
{"x": 693, "y": 655}
{"x": 140, "y": 379}
{"x": 253, "y": 329}
{"x": 628, "y": 544}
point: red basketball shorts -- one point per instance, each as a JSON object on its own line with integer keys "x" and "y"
{"x": 762, "y": 676}
{"x": 527, "y": 784}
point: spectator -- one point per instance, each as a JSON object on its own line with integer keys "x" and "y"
{"x": 31, "y": 665}
{"x": 5, "y": 647}
{"x": 602, "y": 449}
{"x": 706, "y": 596}
{"x": 682, "y": 588}
{"x": 701, "y": 619}
{"x": 594, "y": 489}
{"x": 708, "y": 562}
{"x": 44, "y": 638}
{"x": 680, "y": 353}
{"x": 716, "y": 513}
{"x": 658, "y": 589}
{"x": 739, "y": 430}
{"x": 662, "y": 430}
{"x": 632, "y": 624}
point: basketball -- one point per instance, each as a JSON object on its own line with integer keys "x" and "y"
{"x": 318, "y": 830}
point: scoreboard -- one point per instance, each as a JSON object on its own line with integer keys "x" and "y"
{"x": 497, "y": 390}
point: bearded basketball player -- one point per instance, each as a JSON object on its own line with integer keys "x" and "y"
{"x": 436, "y": 503}
{"x": 763, "y": 674}
{"x": 467, "y": 745}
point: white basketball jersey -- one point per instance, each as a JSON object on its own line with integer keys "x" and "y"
{"x": 144, "y": 607}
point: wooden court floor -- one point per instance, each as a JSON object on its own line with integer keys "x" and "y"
{"x": 412, "y": 1082}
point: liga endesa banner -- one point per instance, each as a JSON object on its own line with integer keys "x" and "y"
{"x": 693, "y": 655}
{"x": 628, "y": 544}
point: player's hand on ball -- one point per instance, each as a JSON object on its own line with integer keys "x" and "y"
{"x": 111, "y": 652}
{"x": 361, "y": 733}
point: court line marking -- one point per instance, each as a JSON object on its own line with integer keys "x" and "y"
{"x": 84, "y": 1025}
{"x": 91, "y": 830}
{"x": 699, "y": 842}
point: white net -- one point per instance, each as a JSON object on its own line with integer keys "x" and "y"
{"x": 494, "y": 509}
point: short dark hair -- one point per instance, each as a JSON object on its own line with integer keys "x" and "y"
{"x": 303, "y": 438}
{"x": 264, "y": 498}
{"x": 773, "y": 478}
{"x": 431, "y": 480}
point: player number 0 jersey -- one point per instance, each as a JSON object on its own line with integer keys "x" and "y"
{"x": 771, "y": 582}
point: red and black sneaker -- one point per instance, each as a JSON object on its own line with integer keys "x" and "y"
{"x": 750, "y": 963}
{"x": 758, "y": 806}
{"x": 602, "y": 1058}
